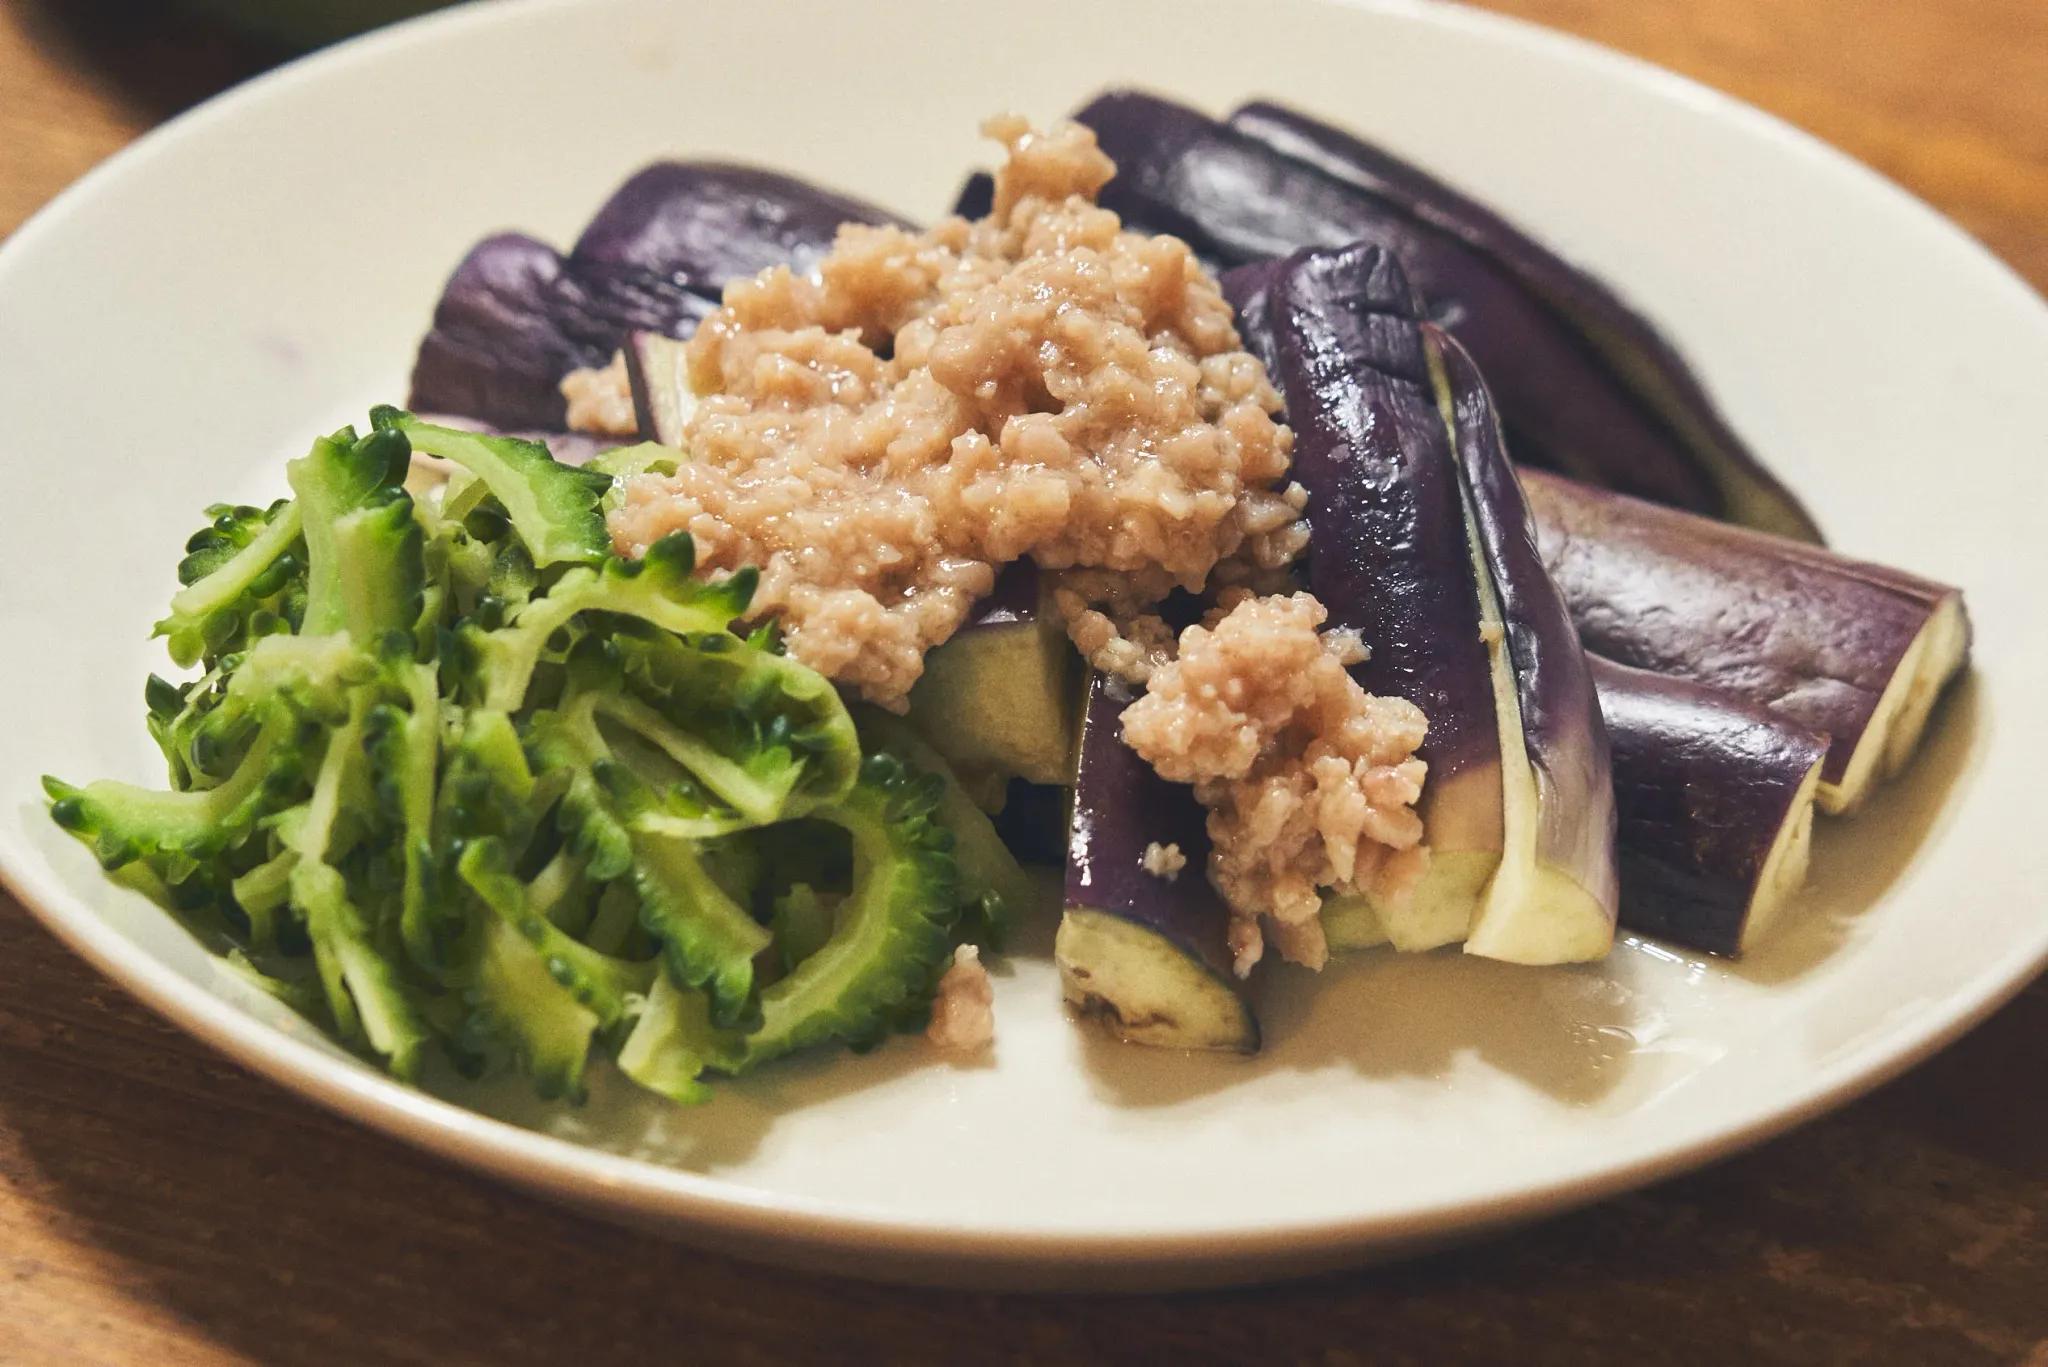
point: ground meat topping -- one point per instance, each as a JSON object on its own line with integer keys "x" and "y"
{"x": 600, "y": 400}
{"x": 879, "y": 436}
{"x": 1310, "y": 781}
{"x": 963, "y": 1012}
{"x": 1109, "y": 618}
{"x": 1163, "y": 861}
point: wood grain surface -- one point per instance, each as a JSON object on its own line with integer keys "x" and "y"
{"x": 160, "y": 1206}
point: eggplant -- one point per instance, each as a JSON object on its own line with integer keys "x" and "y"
{"x": 1237, "y": 200}
{"x": 1715, "y": 797}
{"x": 1033, "y": 822}
{"x": 707, "y": 224}
{"x": 1419, "y": 541}
{"x": 1854, "y": 650}
{"x": 998, "y": 698}
{"x": 516, "y": 316}
{"x": 1147, "y": 954}
{"x": 1636, "y": 353}
{"x": 1249, "y": 291}
{"x": 1559, "y": 793}
{"x": 1390, "y": 558}
{"x": 658, "y": 372}
{"x": 977, "y": 196}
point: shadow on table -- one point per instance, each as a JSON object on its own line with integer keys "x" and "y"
{"x": 150, "y": 52}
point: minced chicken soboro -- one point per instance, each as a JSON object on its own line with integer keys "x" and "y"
{"x": 880, "y": 436}
{"x": 1309, "y": 780}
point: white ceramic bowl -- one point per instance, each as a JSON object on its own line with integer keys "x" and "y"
{"x": 188, "y": 315}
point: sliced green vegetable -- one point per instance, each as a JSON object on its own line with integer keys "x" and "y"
{"x": 232, "y": 574}
{"x": 674, "y": 1042}
{"x": 894, "y": 932}
{"x": 553, "y": 507}
{"x": 450, "y": 773}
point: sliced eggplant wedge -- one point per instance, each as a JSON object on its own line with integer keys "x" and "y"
{"x": 1555, "y": 897}
{"x": 711, "y": 223}
{"x": 1390, "y": 557}
{"x": 998, "y": 698}
{"x": 1854, "y": 650}
{"x": 1145, "y": 953}
{"x": 1715, "y": 797}
{"x": 1630, "y": 345}
{"x": 1249, "y": 290}
{"x": 658, "y": 372}
{"x": 1419, "y": 541}
{"x": 515, "y": 318}
{"x": 1235, "y": 200}
{"x": 1033, "y": 819}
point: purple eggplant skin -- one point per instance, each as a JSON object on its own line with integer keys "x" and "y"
{"x": 1175, "y": 928}
{"x": 1715, "y": 797}
{"x": 1034, "y": 822}
{"x": 1249, "y": 291}
{"x": 515, "y": 318}
{"x": 1854, "y": 650}
{"x": 1016, "y": 599}
{"x": 977, "y": 196}
{"x": 708, "y": 224}
{"x": 1562, "y": 730}
{"x": 1122, "y": 805}
{"x": 1389, "y": 552}
{"x": 503, "y": 337}
{"x": 1630, "y": 344}
{"x": 1235, "y": 200}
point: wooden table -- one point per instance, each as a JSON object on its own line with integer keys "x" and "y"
{"x": 160, "y": 1206}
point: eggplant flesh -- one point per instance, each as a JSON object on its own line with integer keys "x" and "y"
{"x": 1390, "y": 557}
{"x": 997, "y": 698}
{"x": 658, "y": 373}
{"x": 1146, "y": 954}
{"x": 1637, "y": 352}
{"x": 1856, "y": 651}
{"x": 1716, "y": 801}
{"x": 1236, "y": 200}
